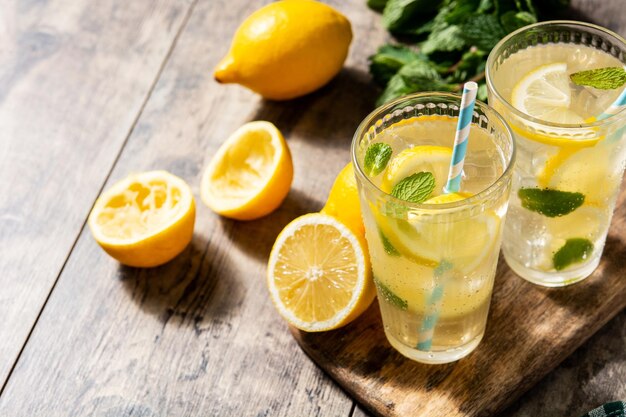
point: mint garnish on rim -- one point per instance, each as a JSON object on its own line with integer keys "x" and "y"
{"x": 390, "y": 297}
{"x": 574, "y": 251}
{"x": 376, "y": 158}
{"x": 602, "y": 78}
{"x": 550, "y": 203}
{"x": 415, "y": 188}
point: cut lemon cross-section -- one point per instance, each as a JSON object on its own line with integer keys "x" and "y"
{"x": 425, "y": 158}
{"x": 545, "y": 94}
{"x": 145, "y": 219}
{"x": 319, "y": 274}
{"x": 251, "y": 173}
{"x": 466, "y": 243}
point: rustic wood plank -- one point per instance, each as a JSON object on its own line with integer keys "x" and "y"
{"x": 198, "y": 336}
{"x": 73, "y": 76}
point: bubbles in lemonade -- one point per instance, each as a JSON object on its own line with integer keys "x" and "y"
{"x": 451, "y": 248}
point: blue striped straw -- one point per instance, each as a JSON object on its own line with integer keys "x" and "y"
{"x": 468, "y": 100}
{"x": 615, "y": 107}
{"x": 433, "y": 304}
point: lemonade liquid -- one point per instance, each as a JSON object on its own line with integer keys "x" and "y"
{"x": 407, "y": 245}
{"x": 558, "y": 246}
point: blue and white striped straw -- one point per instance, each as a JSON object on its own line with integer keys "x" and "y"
{"x": 433, "y": 304}
{"x": 468, "y": 100}
{"x": 614, "y": 108}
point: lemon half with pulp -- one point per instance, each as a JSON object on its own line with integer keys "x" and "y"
{"x": 318, "y": 273}
{"x": 250, "y": 174}
{"x": 145, "y": 219}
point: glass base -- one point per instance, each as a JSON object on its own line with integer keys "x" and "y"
{"x": 435, "y": 357}
{"x": 554, "y": 278}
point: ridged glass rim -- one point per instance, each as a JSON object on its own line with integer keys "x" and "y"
{"x": 497, "y": 49}
{"x": 384, "y": 110}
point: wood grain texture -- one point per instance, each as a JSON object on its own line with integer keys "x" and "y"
{"x": 73, "y": 76}
{"x": 529, "y": 331}
{"x": 198, "y": 336}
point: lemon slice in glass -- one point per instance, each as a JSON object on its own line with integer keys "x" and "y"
{"x": 545, "y": 94}
{"x": 426, "y": 158}
{"x": 318, "y": 273}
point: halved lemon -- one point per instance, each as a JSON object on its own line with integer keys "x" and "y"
{"x": 251, "y": 173}
{"x": 545, "y": 94}
{"x": 145, "y": 219}
{"x": 318, "y": 274}
{"x": 426, "y": 158}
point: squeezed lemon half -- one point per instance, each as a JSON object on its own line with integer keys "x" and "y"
{"x": 250, "y": 174}
{"x": 145, "y": 219}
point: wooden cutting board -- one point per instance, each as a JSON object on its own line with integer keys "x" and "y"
{"x": 530, "y": 330}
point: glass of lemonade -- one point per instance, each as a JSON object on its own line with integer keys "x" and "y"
{"x": 433, "y": 257}
{"x": 569, "y": 165}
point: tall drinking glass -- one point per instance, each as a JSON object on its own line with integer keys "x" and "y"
{"x": 434, "y": 261}
{"x": 570, "y": 163}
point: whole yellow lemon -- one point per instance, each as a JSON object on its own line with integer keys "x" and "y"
{"x": 343, "y": 201}
{"x": 287, "y": 49}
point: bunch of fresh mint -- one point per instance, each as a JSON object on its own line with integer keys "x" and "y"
{"x": 452, "y": 39}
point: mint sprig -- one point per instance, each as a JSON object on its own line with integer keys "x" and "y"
{"x": 415, "y": 188}
{"x": 602, "y": 78}
{"x": 390, "y": 297}
{"x": 573, "y": 251}
{"x": 450, "y": 41}
{"x": 550, "y": 203}
{"x": 377, "y": 157}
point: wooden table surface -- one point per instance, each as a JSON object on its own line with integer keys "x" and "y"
{"x": 91, "y": 91}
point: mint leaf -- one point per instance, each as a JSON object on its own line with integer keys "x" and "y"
{"x": 389, "y": 59}
{"x": 401, "y": 14}
{"x": 601, "y": 78}
{"x": 376, "y": 158}
{"x": 574, "y": 251}
{"x": 448, "y": 39}
{"x": 483, "y": 31}
{"x": 550, "y": 203}
{"x": 389, "y": 248}
{"x": 481, "y": 94}
{"x": 472, "y": 62}
{"x": 415, "y": 188}
{"x": 390, "y": 297}
{"x": 377, "y": 5}
{"x": 415, "y": 76}
{"x": 512, "y": 20}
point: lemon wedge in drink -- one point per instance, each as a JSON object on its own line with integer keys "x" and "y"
{"x": 250, "y": 174}
{"x": 426, "y": 158}
{"x": 545, "y": 94}
{"x": 145, "y": 219}
{"x": 585, "y": 171}
{"x": 318, "y": 273}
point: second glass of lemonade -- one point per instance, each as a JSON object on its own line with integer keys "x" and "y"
{"x": 570, "y": 164}
{"x": 433, "y": 255}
